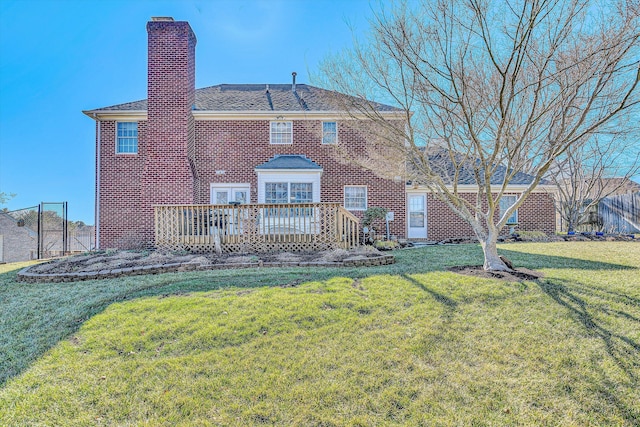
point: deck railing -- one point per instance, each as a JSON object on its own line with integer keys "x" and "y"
{"x": 255, "y": 227}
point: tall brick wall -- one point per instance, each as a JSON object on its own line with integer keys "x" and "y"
{"x": 235, "y": 147}
{"x": 537, "y": 213}
{"x": 228, "y": 151}
{"x": 120, "y": 195}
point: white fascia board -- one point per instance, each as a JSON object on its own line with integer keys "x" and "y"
{"x": 129, "y": 115}
{"x": 518, "y": 188}
{"x": 283, "y": 115}
{"x": 290, "y": 171}
{"x": 238, "y": 115}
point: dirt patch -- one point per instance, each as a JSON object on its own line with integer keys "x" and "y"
{"x": 110, "y": 260}
{"x": 518, "y": 275}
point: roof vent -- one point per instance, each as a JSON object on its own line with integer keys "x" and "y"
{"x": 267, "y": 89}
{"x": 162, "y": 18}
{"x": 293, "y": 85}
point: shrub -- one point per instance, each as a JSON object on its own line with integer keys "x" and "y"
{"x": 373, "y": 215}
{"x": 532, "y": 236}
{"x": 385, "y": 245}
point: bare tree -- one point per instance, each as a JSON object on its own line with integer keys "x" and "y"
{"x": 5, "y": 197}
{"x": 488, "y": 90}
{"x": 586, "y": 174}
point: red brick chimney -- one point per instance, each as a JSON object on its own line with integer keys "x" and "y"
{"x": 167, "y": 177}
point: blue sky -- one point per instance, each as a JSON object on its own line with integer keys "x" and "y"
{"x": 59, "y": 57}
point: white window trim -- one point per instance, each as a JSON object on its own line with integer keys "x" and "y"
{"x": 336, "y": 140}
{"x": 288, "y": 175}
{"x": 288, "y": 183}
{"x": 366, "y": 197}
{"x": 271, "y": 123}
{"x": 514, "y": 213}
{"x": 120, "y": 153}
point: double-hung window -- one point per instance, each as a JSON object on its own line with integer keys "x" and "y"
{"x": 329, "y": 132}
{"x": 505, "y": 203}
{"x": 281, "y": 133}
{"x": 127, "y": 138}
{"x": 355, "y": 198}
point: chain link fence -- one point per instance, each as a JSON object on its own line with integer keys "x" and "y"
{"x": 42, "y": 231}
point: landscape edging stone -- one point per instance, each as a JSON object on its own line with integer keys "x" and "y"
{"x": 25, "y": 275}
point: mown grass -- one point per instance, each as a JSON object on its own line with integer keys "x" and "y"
{"x": 408, "y": 344}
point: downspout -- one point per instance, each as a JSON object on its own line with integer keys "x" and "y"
{"x": 97, "y": 206}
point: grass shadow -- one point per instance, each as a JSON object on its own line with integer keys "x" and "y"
{"x": 591, "y": 307}
{"x": 535, "y": 261}
{"x": 447, "y": 302}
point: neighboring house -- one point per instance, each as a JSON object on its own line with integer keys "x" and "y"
{"x": 615, "y": 186}
{"x": 17, "y": 242}
{"x": 247, "y": 143}
{"x": 609, "y": 204}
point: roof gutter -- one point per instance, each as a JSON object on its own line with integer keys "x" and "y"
{"x": 510, "y": 188}
{"x": 116, "y": 114}
{"x": 242, "y": 115}
{"x": 286, "y": 115}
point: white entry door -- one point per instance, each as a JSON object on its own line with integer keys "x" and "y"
{"x": 222, "y": 194}
{"x": 417, "y": 216}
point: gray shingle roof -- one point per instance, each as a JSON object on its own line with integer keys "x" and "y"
{"x": 289, "y": 161}
{"x": 443, "y": 166}
{"x": 256, "y": 97}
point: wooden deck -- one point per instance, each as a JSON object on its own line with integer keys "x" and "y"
{"x": 255, "y": 227}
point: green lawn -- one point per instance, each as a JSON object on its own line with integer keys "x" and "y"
{"x": 407, "y": 344}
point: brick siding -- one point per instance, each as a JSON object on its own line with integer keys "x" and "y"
{"x": 235, "y": 147}
{"x": 537, "y": 213}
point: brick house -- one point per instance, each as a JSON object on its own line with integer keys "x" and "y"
{"x": 17, "y": 242}
{"x": 248, "y": 143}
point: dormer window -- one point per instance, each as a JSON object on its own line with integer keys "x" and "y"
{"x": 281, "y": 133}
{"x": 329, "y": 132}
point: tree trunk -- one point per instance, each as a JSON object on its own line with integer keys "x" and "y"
{"x": 571, "y": 223}
{"x": 492, "y": 261}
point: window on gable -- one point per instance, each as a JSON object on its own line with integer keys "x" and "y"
{"x": 505, "y": 203}
{"x": 281, "y": 133}
{"x": 127, "y": 138}
{"x": 355, "y": 198}
{"x": 329, "y": 132}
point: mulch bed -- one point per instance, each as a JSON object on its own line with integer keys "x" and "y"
{"x": 517, "y": 275}
{"x": 110, "y": 260}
